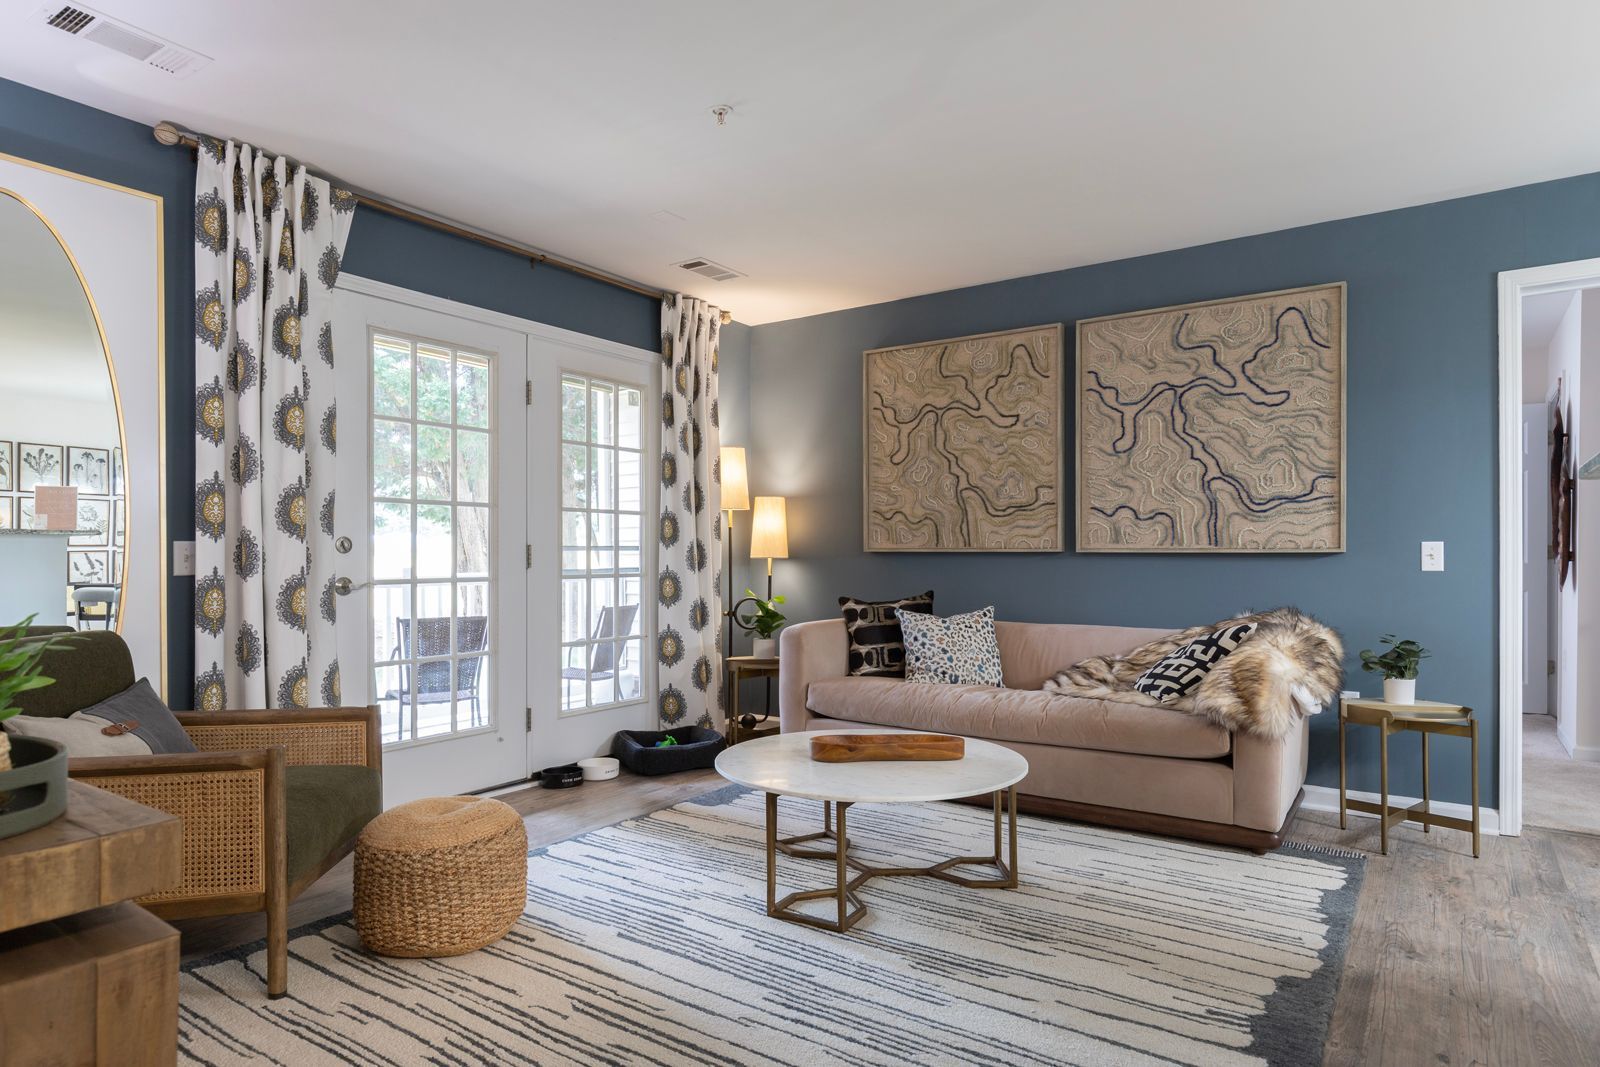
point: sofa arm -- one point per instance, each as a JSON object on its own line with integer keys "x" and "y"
{"x": 231, "y": 808}
{"x": 308, "y": 735}
{"x": 808, "y": 652}
{"x": 1267, "y": 776}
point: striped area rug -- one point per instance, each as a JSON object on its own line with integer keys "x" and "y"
{"x": 648, "y": 943}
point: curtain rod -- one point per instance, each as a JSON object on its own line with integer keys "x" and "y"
{"x": 170, "y": 134}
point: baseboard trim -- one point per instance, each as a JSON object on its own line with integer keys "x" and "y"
{"x": 1326, "y": 798}
{"x": 1585, "y": 753}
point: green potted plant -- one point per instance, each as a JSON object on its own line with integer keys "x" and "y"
{"x": 1398, "y": 665}
{"x": 765, "y": 621}
{"x": 33, "y": 771}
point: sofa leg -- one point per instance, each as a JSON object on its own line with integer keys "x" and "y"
{"x": 277, "y": 878}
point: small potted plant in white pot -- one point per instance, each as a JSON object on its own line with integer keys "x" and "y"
{"x": 765, "y": 622}
{"x": 1398, "y": 664}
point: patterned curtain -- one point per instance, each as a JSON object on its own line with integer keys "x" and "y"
{"x": 688, "y": 591}
{"x": 268, "y": 241}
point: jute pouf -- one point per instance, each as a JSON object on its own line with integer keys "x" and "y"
{"x": 440, "y": 877}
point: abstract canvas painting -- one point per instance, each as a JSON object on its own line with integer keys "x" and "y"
{"x": 963, "y": 445}
{"x": 1214, "y": 427}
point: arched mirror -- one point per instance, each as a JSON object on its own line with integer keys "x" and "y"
{"x": 63, "y": 490}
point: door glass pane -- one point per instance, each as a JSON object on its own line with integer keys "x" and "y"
{"x": 434, "y": 463}
{"x": 603, "y": 494}
{"x": 434, "y": 541}
{"x": 472, "y": 465}
{"x": 391, "y": 541}
{"x": 574, "y": 476}
{"x": 433, "y": 384}
{"x": 391, "y": 377}
{"x": 432, "y": 643}
{"x": 472, "y": 390}
{"x": 574, "y": 409}
{"x": 391, "y": 458}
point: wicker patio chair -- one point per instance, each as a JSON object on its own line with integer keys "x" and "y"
{"x": 272, "y": 800}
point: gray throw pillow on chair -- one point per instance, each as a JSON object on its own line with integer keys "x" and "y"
{"x": 132, "y": 723}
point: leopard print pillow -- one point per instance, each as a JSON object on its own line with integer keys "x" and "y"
{"x": 958, "y": 650}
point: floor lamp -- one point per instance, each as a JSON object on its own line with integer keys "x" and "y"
{"x": 735, "y": 497}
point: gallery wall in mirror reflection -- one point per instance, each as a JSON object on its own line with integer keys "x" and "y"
{"x": 81, "y": 398}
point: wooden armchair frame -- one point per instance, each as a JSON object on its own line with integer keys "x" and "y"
{"x": 230, "y": 797}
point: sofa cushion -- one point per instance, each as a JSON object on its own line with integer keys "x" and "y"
{"x": 1022, "y": 715}
{"x": 873, "y": 626}
{"x": 325, "y": 806}
{"x": 955, "y": 650}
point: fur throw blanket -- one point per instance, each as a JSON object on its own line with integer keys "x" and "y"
{"x": 1289, "y": 668}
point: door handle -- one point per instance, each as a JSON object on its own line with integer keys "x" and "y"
{"x": 344, "y": 586}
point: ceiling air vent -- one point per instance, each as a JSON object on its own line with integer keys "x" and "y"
{"x": 708, "y": 269}
{"x": 88, "y": 24}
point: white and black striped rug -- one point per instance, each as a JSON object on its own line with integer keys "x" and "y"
{"x": 648, "y": 943}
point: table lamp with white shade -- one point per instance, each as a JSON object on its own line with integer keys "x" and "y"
{"x": 769, "y": 540}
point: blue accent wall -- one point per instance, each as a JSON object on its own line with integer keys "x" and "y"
{"x": 1422, "y": 386}
{"x": 49, "y": 129}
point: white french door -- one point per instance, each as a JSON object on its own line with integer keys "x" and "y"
{"x": 433, "y": 497}
{"x": 592, "y": 476}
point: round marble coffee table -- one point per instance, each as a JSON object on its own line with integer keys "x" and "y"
{"x": 782, "y": 766}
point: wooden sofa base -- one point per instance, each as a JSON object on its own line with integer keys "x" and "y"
{"x": 1215, "y": 833}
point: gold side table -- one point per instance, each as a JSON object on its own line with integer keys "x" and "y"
{"x": 741, "y": 668}
{"x": 1426, "y": 718}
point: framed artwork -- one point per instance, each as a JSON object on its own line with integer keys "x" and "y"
{"x": 117, "y": 488}
{"x": 963, "y": 444}
{"x": 94, "y": 516}
{"x": 39, "y": 465}
{"x": 89, "y": 568}
{"x": 8, "y": 513}
{"x": 8, "y": 480}
{"x": 119, "y": 522}
{"x": 1214, "y": 427}
{"x": 89, "y": 469}
{"x": 25, "y": 512}
{"x": 116, "y": 566}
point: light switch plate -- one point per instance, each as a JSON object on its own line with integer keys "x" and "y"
{"x": 1433, "y": 555}
{"x": 182, "y": 558}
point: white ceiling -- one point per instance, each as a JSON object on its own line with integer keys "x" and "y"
{"x": 876, "y": 150}
{"x": 1541, "y": 315}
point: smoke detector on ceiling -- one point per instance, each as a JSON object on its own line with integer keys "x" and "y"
{"x": 87, "y": 24}
{"x": 709, "y": 269}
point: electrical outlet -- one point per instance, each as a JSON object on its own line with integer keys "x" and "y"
{"x": 182, "y": 558}
{"x": 1433, "y": 555}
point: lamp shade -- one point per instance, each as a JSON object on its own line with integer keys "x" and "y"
{"x": 769, "y": 529}
{"x": 735, "y": 479}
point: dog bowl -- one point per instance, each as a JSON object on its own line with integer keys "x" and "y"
{"x": 599, "y": 768}
{"x": 563, "y": 777}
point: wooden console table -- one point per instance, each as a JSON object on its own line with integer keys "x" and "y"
{"x": 86, "y": 977}
{"x": 1424, "y": 717}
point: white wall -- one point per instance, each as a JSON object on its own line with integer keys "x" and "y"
{"x": 1535, "y": 372}
{"x": 1586, "y": 588}
{"x": 1563, "y": 367}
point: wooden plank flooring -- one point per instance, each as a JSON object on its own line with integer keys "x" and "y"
{"x": 1452, "y": 961}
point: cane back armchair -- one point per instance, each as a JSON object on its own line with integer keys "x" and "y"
{"x": 269, "y": 803}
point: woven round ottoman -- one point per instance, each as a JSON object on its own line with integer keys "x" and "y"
{"x": 440, "y": 877}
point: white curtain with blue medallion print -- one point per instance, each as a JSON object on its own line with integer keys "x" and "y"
{"x": 268, "y": 241}
{"x": 689, "y": 581}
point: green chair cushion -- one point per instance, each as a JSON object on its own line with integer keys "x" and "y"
{"x": 326, "y": 807}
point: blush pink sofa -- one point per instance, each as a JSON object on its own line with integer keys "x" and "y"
{"x": 1125, "y": 765}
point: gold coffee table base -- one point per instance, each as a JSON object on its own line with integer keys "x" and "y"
{"x": 850, "y": 908}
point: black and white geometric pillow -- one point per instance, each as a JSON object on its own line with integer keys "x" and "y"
{"x": 1180, "y": 670}
{"x": 877, "y": 647}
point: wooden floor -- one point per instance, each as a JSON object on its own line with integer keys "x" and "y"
{"x": 1452, "y": 960}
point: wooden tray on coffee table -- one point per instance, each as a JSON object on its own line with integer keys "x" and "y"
{"x": 864, "y": 748}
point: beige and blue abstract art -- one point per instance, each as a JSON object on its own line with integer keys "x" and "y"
{"x": 964, "y": 444}
{"x": 1214, "y": 427}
